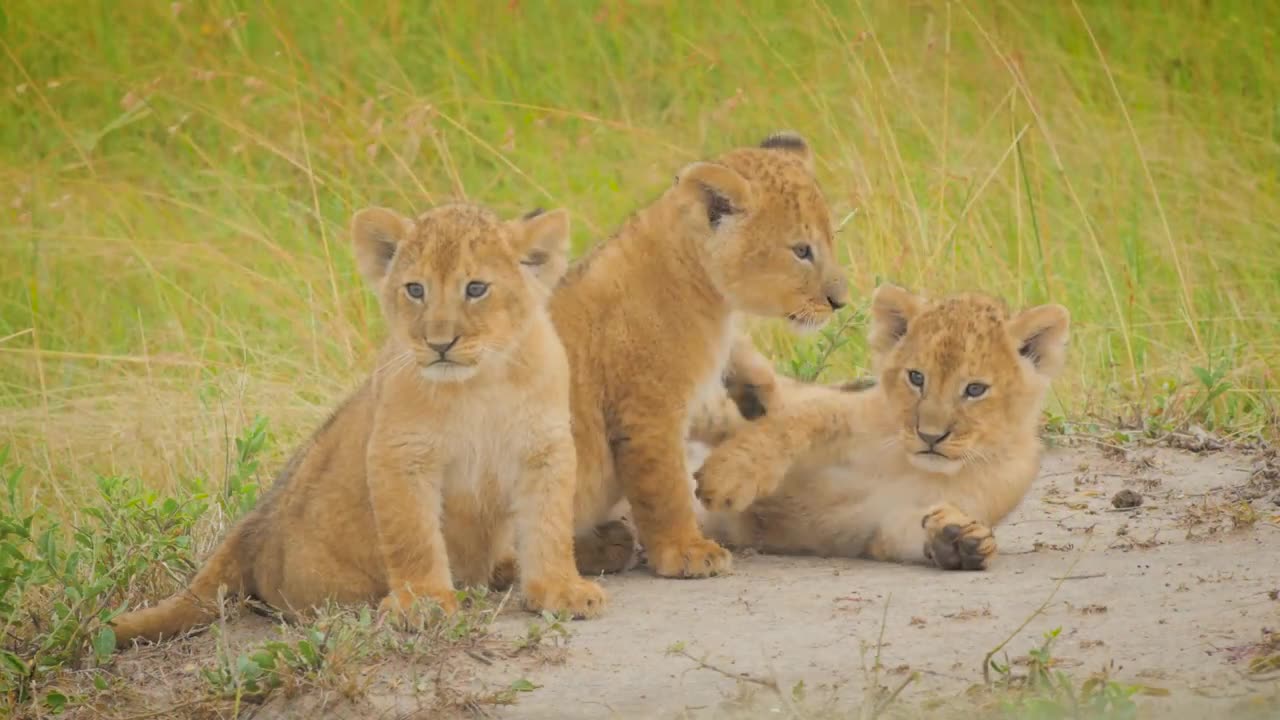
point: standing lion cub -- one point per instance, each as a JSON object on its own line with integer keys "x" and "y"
{"x": 457, "y": 448}
{"x": 648, "y": 322}
{"x": 919, "y": 466}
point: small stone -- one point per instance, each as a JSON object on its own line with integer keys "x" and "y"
{"x": 1126, "y": 499}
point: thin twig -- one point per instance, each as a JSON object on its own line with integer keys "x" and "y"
{"x": 884, "y": 704}
{"x": 769, "y": 683}
{"x": 986, "y": 661}
{"x": 1088, "y": 576}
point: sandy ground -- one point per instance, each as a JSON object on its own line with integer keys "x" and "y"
{"x": 1174, "y": 594}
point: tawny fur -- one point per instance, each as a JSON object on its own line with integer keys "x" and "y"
{"x": 830, "y": 471}
{"x": 648, "y": 322}
{"x": 445, "y": 462}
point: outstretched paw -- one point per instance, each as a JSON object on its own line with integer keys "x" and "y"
{"x": 733, "y": 477}
{"x": 954, "y": 541}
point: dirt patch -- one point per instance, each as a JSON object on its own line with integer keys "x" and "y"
{"x": 1178, "y": 593}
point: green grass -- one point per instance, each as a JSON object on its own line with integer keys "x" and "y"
{"x": 178, "y": 178}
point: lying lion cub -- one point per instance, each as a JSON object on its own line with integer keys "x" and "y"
{"x": 459, "y": 444}
{"x": 648, "y": 321}
{"x": 921, "y": 465}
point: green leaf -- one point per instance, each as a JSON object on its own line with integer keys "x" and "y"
{"x": 1205, "y": 377}
{"x": 308, "y": 653}
{"x": 55, "y": 701}
{"x": 247, "y": 668}
{"x": 523, "y": 685}
{"x": 13, "y": 663}
{"x": 100, "y": 682}
{"x": 104, "y": 643}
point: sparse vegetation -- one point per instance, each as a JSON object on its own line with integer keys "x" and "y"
{"x": 1044, "y": 692}
{"x": 178, "y": 177}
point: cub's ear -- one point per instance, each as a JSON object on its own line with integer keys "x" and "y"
{"x": 892, "y": 310}
{"x": 789, "y": 141}
{"x": 716, "y": 190}
{"x": 1040, "y": 334}
{"x": 542, "y": 242}
{"x": 376, "y": 232}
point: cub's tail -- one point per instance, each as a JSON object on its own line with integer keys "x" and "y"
{"x": 193, "y": 606}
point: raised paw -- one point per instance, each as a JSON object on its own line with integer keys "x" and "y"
{"x": 577, "y": 597}
{"x": 954, "y": 541}
{"x": 407, "y": 606}
{"x": 733, "y": 477}
{"x": 693, "y": 559}
{"x": 607, "y": 548}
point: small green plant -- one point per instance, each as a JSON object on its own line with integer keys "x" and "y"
{"x": 552, "y": 629}
{"x": 240, "y": 493}
{"x": 1213, "y": 384}
{"x": 512, "y": 692}
{"x": 428, "y": 629}
{"x": 60, "y": 584}
{"x": 1044, "y": 693}
{"x": 809, "y": 360}
{"x": 318, "y": 654}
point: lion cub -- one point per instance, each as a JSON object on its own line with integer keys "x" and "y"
{"x": 648, "y": 322}
{"x": 457, "y": 447}
{"x": 918, "y": 467}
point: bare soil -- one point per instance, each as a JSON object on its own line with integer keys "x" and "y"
{"x": 1174, "y": 594}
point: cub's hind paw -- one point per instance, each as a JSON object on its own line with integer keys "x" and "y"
{"x": 408, "y": 608}
{"x": 504, "y": 574}
{"x": 955, "y": 541}
{"x": 607, "y": 548}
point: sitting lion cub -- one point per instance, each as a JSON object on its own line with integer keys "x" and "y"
{"x": 918, "y": 467}
{"x": 458, "y": 445}
{"x": 648, "y": 321}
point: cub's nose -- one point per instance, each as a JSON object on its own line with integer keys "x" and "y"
{"x": 932, "y": 439}
{"x": 443, "y": 347}
{"x": 835, "y": 302}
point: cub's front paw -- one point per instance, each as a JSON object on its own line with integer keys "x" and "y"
{"x": 580, "y": 598}
{"x": 694, "y": 558}
{"x": 954, "y": 541}
{"x": 733, "y": 477}
{"x": 408, "y": 607}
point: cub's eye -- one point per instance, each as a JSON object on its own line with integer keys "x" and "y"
{"x": 803, "y": 251}
{"x": 915, "y": 377}
{"x": 477, "y": 289}
{"x": 975, "y": 390}
{"x": 415, "y": 290}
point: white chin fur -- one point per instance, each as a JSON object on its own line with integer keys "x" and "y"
{"x": 935, "y": 464}
{"x": 448, "y": 372}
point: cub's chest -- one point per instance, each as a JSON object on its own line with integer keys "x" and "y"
{"x": 709, "y": 375}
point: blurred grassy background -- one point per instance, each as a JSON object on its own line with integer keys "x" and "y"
{"x": 177, "y": 179}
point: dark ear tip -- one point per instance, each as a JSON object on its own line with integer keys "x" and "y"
{"x": 718, "y": 206}
{"x": 536, "y": 258}
{"x": 785, "y": 140}
{"x": 532, "y": 214}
